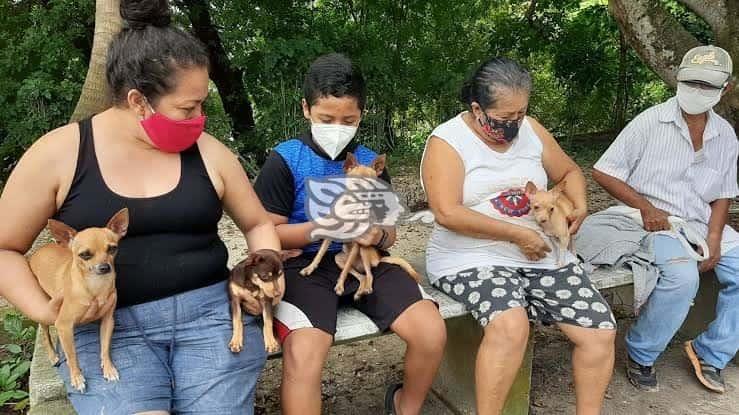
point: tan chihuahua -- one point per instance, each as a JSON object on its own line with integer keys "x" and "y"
{"x": 369, "y": 256}
{"x": 79, "y": 267}
{"x": 551, "y": 209}
{"x": 261, "y": 275}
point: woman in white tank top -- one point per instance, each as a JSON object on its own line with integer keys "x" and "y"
{"x": 486, "y": 249}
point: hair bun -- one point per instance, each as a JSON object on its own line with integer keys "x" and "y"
{"x": 141, "y": 13}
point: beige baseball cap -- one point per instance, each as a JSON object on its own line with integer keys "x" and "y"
{"x": 708, "y": 64}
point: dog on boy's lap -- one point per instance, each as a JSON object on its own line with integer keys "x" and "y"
{"x": 355, "y": 259}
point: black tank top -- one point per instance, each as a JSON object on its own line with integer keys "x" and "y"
{"x": 172, "y": 243}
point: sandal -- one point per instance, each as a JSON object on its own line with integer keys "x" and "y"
{"x": 708, "y": 375}
{"x": 392, "y": 389}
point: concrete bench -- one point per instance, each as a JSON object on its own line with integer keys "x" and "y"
{"x": 454, "y": 385}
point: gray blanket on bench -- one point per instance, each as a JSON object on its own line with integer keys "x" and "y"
{"x": 617, "y": 241}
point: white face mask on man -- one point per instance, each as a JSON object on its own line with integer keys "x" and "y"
{"x": 696, "y": 100}
{"x": 332, "y": 138}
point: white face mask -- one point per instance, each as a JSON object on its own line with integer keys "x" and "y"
{"x": 332, "y": 138}
{"x": 696, "y": 100}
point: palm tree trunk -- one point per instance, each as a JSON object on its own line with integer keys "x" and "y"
{"x": 95, "y": 95}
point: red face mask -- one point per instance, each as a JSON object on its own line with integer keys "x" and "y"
{"x": 173, "y": 136}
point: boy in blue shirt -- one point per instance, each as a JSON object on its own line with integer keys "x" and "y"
{"x": 334, "y": 98}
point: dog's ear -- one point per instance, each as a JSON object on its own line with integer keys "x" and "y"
{"x": 289, "y": 253}
{"x": 239, "y": 271}
{"x": 61, "y": 232}
{"x": 350, "y": 162}
{"x": 379, "y": 164}
{"x": 119, "y": 223}
{"x": 530, "y": 188}
{"x": 253, "y": 258}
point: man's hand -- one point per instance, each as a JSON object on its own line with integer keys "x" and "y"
{"x": 714, "y": 248}
{"x": 655, "y": 219}
{"x": 575, "y": 219}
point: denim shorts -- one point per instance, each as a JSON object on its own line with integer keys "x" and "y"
{"x": 172, "y": 355}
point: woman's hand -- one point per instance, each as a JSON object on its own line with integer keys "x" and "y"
{"x": 531, "y": 244}
{"x": 252, "y": 305}
{"x": 575, "y": 219}
{"x": 95, "y": 311}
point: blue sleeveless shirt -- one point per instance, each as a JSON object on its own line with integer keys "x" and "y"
{"x": 304, "y": 163}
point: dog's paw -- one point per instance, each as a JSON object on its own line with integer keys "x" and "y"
{"x": 362, "y": 291}
{"x": 307, "y": 271}
{"x": 339, "y": 289}
{"x": 53, "y": 358}
{"x": 236, "y": 345}
{"x": 271, "y": 345}
{"x": 78, "y": 381}
{"x": 110, "y": 373}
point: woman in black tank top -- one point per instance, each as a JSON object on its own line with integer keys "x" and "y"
{"x": 172, "y": 237}
{"x": 147, "y": 153}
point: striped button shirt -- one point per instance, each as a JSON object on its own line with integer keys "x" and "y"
{"x": 655, "y": 156}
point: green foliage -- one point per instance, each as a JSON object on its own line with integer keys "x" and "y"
{"x": 44, "y": 51}
{"x": 15, "y": 360}
{"x": 695, "y": 25}
{"x": 218, "y": 124}
{"x": 414, "y": 55}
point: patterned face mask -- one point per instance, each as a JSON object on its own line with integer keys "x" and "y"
{"x": 501, "y": 132}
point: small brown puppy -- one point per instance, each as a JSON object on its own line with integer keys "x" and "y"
{"x": 551, "y": 209}
{"x": 261, "y": 275}
{"x": 79, "y": 267}
{"x": 369, "y": 256}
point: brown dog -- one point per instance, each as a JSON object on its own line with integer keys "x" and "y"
{"x": 551, "y": 209}
{"x": 79, "y": 267}
{"x": 261, "y": 275}
{"x": 369, "y": 257}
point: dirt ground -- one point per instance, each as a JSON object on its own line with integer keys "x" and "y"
{"x": 356, "y": 374}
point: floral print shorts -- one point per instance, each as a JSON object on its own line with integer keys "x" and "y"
{"x": 563, "y": 295}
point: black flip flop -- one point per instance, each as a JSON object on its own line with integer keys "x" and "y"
{"x": 390, "y": 398}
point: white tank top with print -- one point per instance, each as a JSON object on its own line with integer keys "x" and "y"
{"x": 494, "y": 185}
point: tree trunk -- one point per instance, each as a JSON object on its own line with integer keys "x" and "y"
{"x": 660, "y": 40}
{"x": 622, "y": 91}
{"x": 95, "y": 96}
{"x": 530, "y": 12}
{"x": 228, "y": 79}
{"x": 387, "y": 129}
{"x": 728, "y": 38}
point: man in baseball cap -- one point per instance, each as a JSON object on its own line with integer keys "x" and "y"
{"x": 703, "y": 78}
{"x": 679, "y": 158}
